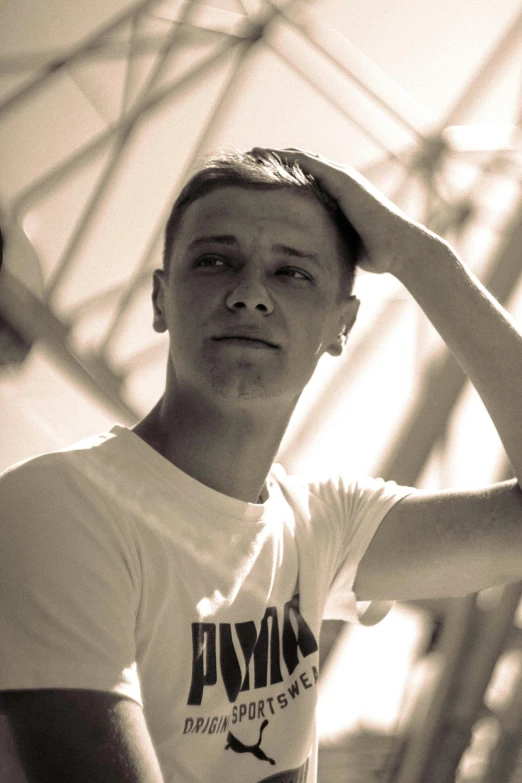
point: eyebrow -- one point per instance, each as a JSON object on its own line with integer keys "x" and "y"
{"x": 295, "y": 253}
{"x": 222, "y": 239}
{"x": 230, "y": 239}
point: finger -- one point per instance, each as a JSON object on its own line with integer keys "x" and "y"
{"x": 353, "y": 190}
{"x": 296, "y": 153}
{"x": 362, "y": 203}
{"x": 292, "y": 154}
{"x": 300, "y": 150}
{"x": 321, "y": 168}
{"x": 350, "y": 187}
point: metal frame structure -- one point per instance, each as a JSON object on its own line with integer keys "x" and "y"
{"x": 425, "y": 162}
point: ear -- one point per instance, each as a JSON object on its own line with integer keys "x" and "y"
{"x": 347, "y": 318}
{"x": 159, "y": 323}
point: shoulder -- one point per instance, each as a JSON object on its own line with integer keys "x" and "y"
{"x": 61, "y": 535}
{"x": 52, "y": 475}
{"x": 35, "y": 483}
{"x": 57, "y": 502}
{"x": 345, "y": 497}
{"x": 355, "y": 493}
{"x": 60, "y": 459}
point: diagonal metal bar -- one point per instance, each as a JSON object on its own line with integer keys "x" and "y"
{"x": 48, "y": 181}
{"x": 435, "y": 753}
{"x": 168, "y": 45}
{"x": 51, "y": 68}
{"x": 131, "y": 54}
{"x": 509, "y": 45}
{"x": 219, "y": 110}
{"x": 206, "y": 27}
{"x": 32, "y": 319}
{"x": 124, "y": 136}
{"x": 444, "y": 379}
{"x": 89, "y": 97}
{"x": 383, "y": 164}
{"x": 331, "y": 100}
{"x": 103, "y": 50}
{"x": 471, "y": 643}
{"x": 518, "y": 118}
{"x": 243, "y": 7}
{"x": 504, "y": 761}
{"x": 223, "y": 104}
{"x": 362, "y": 84}
{"x": 98, "y": 300}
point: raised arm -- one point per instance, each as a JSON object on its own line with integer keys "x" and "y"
{"x": 480, "y": 333}
{"x": 81, "y": 736}
{"x": 444, "y": 543}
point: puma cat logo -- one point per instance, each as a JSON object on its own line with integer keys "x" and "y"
{"x": 237, "y": 746}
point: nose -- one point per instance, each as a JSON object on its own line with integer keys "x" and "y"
{"x": 250, "y": 293}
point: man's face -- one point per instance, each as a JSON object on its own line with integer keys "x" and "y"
{"x": 252, "y": 296}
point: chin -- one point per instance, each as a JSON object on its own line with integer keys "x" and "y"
{"x": 250, "y": 385}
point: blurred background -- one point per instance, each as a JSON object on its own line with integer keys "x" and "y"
{"x": 105, "y": 106}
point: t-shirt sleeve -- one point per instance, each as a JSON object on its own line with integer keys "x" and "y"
{"x": 358, "y": 508}
{"x": 69, "y": 584}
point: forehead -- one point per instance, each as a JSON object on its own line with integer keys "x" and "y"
{"x": 250, "y": 213}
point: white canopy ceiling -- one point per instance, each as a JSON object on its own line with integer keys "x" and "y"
{"x": 105, "y": 106}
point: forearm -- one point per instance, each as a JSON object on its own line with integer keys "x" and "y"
{"x": 479, "y": 332}
{"x": 81, "y": 737}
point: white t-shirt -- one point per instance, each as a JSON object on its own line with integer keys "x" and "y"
{"x": 121, "y": 573}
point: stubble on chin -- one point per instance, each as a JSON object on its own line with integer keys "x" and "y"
{"x": 245, "y": 382}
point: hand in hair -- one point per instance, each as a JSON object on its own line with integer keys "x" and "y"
{"x": 390, "y": 238}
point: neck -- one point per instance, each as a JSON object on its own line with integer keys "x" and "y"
{"x": 227, "y": 445}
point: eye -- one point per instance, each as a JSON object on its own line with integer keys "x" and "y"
{"x": 211, "y": 261}
{"x": 294, "y": 273}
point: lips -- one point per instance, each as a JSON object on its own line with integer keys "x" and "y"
{"x": 254, "y": 339}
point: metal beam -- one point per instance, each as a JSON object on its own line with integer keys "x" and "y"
{"x": 362, "y": 71}
{"x": 444, "y": 379}
{"x": 47, "y": 182}
{"x": 508, "y": 47}
{"x": 219, "y": 110}
{"x": 33, "y": 320}
{"x": 123, "y": 138}
{"x": 55, "y": 65}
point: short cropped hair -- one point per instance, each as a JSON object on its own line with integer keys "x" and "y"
{"x": 262, "y": 171}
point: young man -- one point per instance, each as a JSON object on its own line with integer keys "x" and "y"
{"x": 163, "y": 588}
